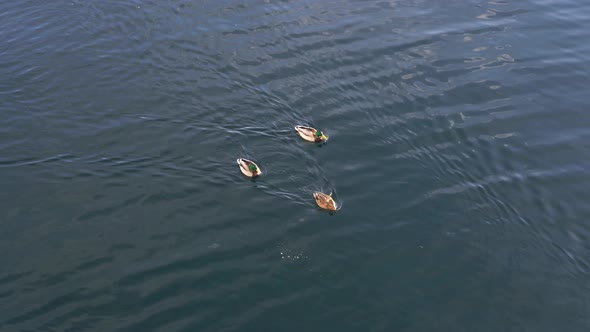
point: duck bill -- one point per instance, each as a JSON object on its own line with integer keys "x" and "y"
{"x": 324, "y": 137}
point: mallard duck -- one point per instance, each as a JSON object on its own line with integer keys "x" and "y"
{"x": 248, "y": 167}
{"x": 311, "y": 134}
{"x": 325, "y": 201}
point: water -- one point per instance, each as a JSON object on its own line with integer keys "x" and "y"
{"x": 459, "y": 151}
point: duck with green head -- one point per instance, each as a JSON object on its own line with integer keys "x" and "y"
{"x": 248, "y": 167}
{"x": 311, "y": 134}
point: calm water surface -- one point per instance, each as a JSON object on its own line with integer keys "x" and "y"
{"x": 459, "y": 150}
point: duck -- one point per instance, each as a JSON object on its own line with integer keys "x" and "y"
{"x": 311, "y": 134}
{"x": 324, "y": 201}
{"x": 248, "y": 167}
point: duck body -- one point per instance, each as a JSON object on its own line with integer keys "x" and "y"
{"x": 324, "y": 201}
{"x": 248, "y": 167}
{"x": 310, "y": 134}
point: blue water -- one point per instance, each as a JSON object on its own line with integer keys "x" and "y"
{"x": 459, "y": 152}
